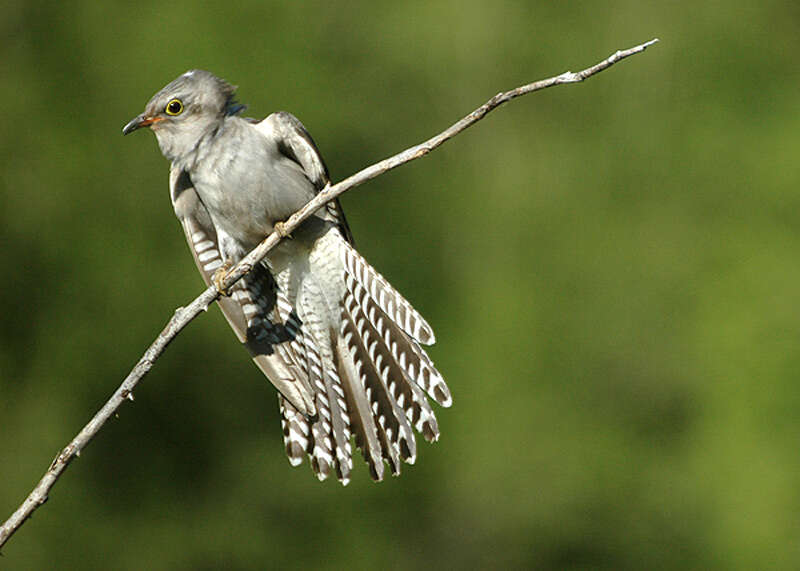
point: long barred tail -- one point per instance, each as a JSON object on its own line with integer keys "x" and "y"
{"x": 380, "y": 387}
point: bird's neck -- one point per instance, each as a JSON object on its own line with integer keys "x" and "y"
{"x": 185, "y": 148}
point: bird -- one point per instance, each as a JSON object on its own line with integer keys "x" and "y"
{"x": 343, "y": 348}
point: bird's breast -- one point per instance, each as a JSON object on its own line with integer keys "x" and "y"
{"x": 247, "y": 192}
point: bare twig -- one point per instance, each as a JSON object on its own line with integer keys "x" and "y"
{"x": 186, "y": 314}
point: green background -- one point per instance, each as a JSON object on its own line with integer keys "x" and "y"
{"x": 611, "y": 268}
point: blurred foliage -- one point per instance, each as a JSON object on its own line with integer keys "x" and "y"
{"x": 612, "y": 270}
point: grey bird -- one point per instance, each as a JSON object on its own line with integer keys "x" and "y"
{"x": 339, "y": 343}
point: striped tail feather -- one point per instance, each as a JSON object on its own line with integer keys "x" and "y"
{"x": 393, "y": 371}
{"x": 295, "y": 431}
{"x": 329, "y": 446}
{"x": 325, "y": 438}
{"x": 376, "y": 414}
{"x": 388, "y": 299}
{"x": 385, "y": 392}
{"x": 321, "y": 452}
{"x": 389, "y": 311}
{"x": 340, "y": 426}
{"x": 361, "y": 418}
{"x": 302, "y": 436}
{"x": 331, "y": 427}
{"x": 379, "y": 346}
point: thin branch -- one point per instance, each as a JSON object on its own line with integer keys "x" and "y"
{"x": 186, "y": 314}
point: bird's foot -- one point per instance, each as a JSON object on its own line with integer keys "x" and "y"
{"x": 218, "y": 278}
{"x": 280, "y": 228}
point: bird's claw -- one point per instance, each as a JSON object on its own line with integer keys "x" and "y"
{"x": 280, "y": 229}
{"x": 218, "y": 278}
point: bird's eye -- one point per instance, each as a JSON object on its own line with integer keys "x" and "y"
{"x": 174, "y": 107}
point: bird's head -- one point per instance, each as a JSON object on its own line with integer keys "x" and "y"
{"x": 185, "y": 110}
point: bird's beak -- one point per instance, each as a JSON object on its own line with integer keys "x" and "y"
{"x": 140, "y": 121}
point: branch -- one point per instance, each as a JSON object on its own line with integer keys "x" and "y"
{"x": 184, "y": 315}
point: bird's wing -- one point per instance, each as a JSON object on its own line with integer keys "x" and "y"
{"x": 296, "y": 143}
{"x": 251, "y": 309}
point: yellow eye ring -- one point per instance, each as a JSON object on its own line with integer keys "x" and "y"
{"x": 174, "y": 107}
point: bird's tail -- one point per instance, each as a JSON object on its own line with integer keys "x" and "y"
{"x": 380, "y": 386}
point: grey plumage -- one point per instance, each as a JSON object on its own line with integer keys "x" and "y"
{"x": 343, "y": 348}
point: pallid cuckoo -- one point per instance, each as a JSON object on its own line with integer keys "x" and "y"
{"x": 340, "y": 344}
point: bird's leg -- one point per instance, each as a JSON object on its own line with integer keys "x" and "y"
{"x": 280, "y": 228}
{"x": 218, "y": 278}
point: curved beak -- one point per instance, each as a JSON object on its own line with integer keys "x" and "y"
{"x": 140, "y": 121}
